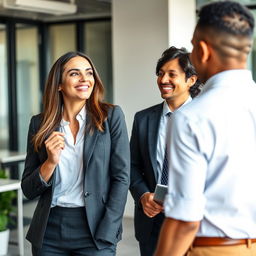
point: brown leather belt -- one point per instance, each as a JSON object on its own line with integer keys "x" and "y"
{"x": 220, "y": 241}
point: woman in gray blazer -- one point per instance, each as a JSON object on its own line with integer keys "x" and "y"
{"x": 77, "y": 164}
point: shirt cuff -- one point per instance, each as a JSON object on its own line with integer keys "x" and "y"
{"x": 44, "y": 182}
{"x": 185, "y": 209}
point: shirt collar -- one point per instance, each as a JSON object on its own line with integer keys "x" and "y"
{"x": 80, "y": 116}
{"x": 167, "y": 110}
{"x": 228, "y": 78}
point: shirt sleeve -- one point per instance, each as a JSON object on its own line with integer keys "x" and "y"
{"x": 44, "y": 182}
{"x": 187, "y": 170}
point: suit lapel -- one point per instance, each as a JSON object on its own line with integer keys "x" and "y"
{"x": 153, "y": 125}
{"x": 90, "y": 139}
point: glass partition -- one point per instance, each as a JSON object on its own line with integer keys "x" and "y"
{"x": 4, "y": 128}
{"x": 251, "y": 4}
{"x": 252, "y": 59}
{"x": 62, "y": 38}
{"x": 28, "y": 89}
{"x": 245, "y": 2}
{"x": 97, "y": 38}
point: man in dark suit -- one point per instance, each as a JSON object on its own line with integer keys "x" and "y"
{"x": 177, "y": 82}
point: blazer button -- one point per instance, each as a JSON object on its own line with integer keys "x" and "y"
{"x": 86, "y": 194}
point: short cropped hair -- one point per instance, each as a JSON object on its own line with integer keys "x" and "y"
{"x": 227, "y": 16}
{"x": 183, "y": 57}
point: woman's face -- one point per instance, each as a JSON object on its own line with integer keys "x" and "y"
{"x": 77, "y": 80}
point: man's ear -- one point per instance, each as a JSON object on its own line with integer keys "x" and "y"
{"x": 205, "y": 51}
{"x": 192, "y": 80}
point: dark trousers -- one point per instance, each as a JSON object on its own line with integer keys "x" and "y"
{"x": 148, "y": 248}
{"x": 68, "y": 234}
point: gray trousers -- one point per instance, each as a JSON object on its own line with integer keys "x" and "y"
{"x": 68, "y": 234}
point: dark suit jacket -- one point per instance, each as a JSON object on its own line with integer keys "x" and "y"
{"x": 106, "y": 167}
{"x": 144, "y": 175}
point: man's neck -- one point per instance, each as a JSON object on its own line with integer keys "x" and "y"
{"x": 173, "y": 104}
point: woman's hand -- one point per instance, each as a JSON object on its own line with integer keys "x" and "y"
{"x": 54, "y": 145}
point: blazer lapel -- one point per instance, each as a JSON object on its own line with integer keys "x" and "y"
{"x": 153, "y": 125}
{"x": 90, "y": 139}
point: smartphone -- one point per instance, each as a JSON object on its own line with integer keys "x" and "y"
{"x": 160, "y": 193}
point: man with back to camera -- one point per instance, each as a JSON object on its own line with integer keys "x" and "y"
{"x": 177, "y": 80}
{"x": 210, "y": 206}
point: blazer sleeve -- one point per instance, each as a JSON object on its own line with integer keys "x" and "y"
{"x": 138, "y": 185}
{"x": 110, "y": 226}
{"x": 32, "y": 185}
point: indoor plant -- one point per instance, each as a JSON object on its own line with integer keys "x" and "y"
{"x": 6, "y": 206}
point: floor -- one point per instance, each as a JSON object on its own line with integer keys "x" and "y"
{"x": 126, "y": 247}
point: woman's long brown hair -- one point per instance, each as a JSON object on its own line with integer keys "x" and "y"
{"x": 53, "y": 101}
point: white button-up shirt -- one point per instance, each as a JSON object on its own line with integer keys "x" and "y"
{"x": 164, "y": 125}
{"x": 212, "y": 157}
{"x": 69, "y": 182}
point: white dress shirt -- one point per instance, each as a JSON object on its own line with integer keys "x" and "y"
{"x": 212, "y": 157}
{"x": 69, "y": 182}
{"x": 164, "y": 124}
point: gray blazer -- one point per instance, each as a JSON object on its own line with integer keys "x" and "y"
{"x": 106, "y": 168}
{"x": 144, "y": 174}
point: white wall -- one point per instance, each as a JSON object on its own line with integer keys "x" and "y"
{"x": 140, "y": 34}
{"x": 181, "y": 22}
{"x": 142, "y": 30}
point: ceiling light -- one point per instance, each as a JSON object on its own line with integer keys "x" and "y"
{"x": 44, "y": 6}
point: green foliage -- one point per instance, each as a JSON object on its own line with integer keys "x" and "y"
{"x": 6, "y": 205}
{"x": 3, "y": 222}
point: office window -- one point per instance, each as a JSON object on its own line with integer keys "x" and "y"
{"x": 252, "y": 57}
{"x": 62, "y": 38}
{"x": 245, "y": 2}
{"x": 28, "y": 91}
{"x": 97, "y": 38}
{"x": 4, "y": 131}
{"x": 26, "y": 87}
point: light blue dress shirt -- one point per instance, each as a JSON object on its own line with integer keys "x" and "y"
{"x": 212, "y": 157}
{"x": 164, "y": 124}
{"x": 69, "y": 182}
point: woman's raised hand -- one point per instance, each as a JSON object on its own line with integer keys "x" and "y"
{"x": 54, "y": 145}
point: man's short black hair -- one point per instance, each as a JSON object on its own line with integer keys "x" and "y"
{"x": 183, "y": 57}
{"x": 230, "y": 17}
